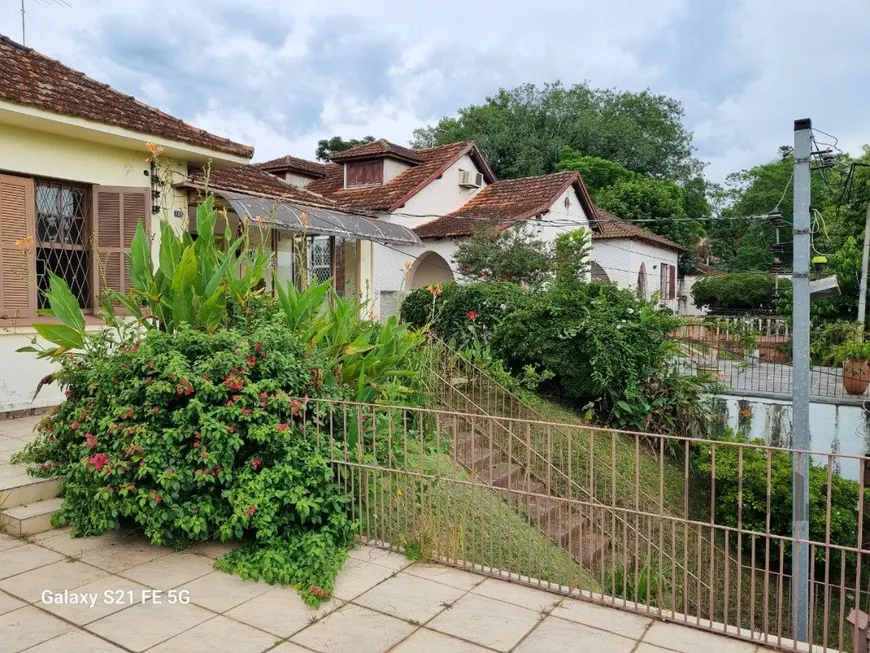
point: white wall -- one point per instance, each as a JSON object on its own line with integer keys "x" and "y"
{"x": 687, "y": 302}
{"x": 393, "y": 168}
{"x": 441, "y": 197}
{"x": 295, "y": 179}
{"x": 621, "y": 258}
{"x": 29, "y": 152}
{"x": 559, "y": 219}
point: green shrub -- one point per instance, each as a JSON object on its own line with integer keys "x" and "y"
{"x": 844, "y": 498}
{"x": 740, "y": 291}
{"x": 196, "y": 436}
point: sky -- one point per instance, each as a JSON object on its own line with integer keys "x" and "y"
{"x": 280, "y": 75}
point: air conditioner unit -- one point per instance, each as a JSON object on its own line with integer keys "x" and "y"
{"x": 470, "y": 179}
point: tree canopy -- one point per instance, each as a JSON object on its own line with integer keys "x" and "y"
{"x": 326, "y": 147}
{"x": 522, "y": 130}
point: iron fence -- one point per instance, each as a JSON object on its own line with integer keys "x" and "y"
{"x": 754, "y": 356}
{"x": 462, "y": 488}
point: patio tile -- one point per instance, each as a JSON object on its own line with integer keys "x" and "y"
{"x": 409, "y": 597}
{"x": 525, "y": 597}
{"x": 218, "y": 635}
{"x": 145, "y": 625}
{"x": 281, "y": 612}
{"x": 649, "y": 648}
{"x": 610, "y": 619}
{"x": 27, "y": 627}
{"x": 9, "y": 603}
{"x": 24, "y": 558}
{"x": 689, "y": 640}
{"x": 356, "y": 629}
{"x": 220, "y": 591}
{"x": 290, "y": 647}
{"x": 486, "y": 622}
{"x": 556, "y": 634}
{"x": 357, "y": 577}
{"x": 56, "y": 577}
{"x": 434, "y": 642}
{"x": 213, "y": 549}
{"x": 382, "y": 557}
{"x": 112, "y": 597}
{"x": 76, "y": 546}
{"x": 170, "y": 570}
{"x": 125, "y": 553}
{"x": 9, "y": 542}
{"x": 463, "y": 580}
{"x": 76, "y": 640}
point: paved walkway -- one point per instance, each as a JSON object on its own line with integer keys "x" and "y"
{"x": 117, "y": 592}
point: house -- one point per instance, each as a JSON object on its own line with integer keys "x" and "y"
{"x": 633, "y": 257}
{"x": 686, "y": 304}
{"x": 77, "y": 176}
{"x": 443, "y": 193}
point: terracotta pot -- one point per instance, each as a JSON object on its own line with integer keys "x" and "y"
{"x": 856, "y": 376}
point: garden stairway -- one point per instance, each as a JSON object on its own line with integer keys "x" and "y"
{"x": 26, "y": 503}
{"x": 556, "y": 518}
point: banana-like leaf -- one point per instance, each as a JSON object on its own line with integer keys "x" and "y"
{"x": 61, "y": 335}
{"x": 140, "y": 259}
{"x": 64, "y": 305}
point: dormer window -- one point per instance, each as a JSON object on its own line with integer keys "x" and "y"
{"x": 363, "y": 173}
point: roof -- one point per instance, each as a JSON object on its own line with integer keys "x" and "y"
{"x": 611, "y": 227}
{"x": 401, "y": 188}
{"x": 251, "y": 179}
{"x": 294, "y": 164}
{"x": 708, "y": 270}
{"x": 506, "y": 202}
{"x": 32, "y": 79}
{"x": 378, "y": 148}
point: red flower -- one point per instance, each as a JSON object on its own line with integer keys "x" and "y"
{"x": 170, "y": 472}
{"x": 256, "y": 463}
{"x": 282, "y": 427}
{"x": 203, "y": 453}
{"x": 246, "y": 412}
{"x": 90, "y": 440}
{"x": 251, "y": 510}
{"x": 472, "y": 315}
{"x": 231, "y": 429}
{"x": 98, "y": 460}
{"x": 295, "y": 406}
{"x": 263, "y": 395}
{"x": 155, "y": 410}
{"x": 75, "y": 426}
{"x": 157, "y": 498}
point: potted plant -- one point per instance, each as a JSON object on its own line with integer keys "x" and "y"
{"x": 854, "y": 355}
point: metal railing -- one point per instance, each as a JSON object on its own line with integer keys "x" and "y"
{"x": 749, "y": 358}
{"x": 415, "y": 488}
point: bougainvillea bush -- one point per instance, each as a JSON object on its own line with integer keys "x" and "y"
{"x": 202, "y": 424}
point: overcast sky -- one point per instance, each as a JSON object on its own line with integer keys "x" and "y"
{"x": 282, "y": 74}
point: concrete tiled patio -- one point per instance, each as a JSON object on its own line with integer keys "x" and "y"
{"x": 382, "y": 602}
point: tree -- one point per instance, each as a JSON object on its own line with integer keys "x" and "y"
{"x": 522, "y": 130}
{"x": 573, "y": 256}
{"x": 512, "y": 255}
{"x": 329, "y": 146}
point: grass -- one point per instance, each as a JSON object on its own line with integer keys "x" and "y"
{"x": 444, "y": 514}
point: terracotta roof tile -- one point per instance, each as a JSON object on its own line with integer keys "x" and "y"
{"x": 250, "y": 179}
{"x": 32, "y": 79}
{"x": 401, "y": 188}
{"x": 611, "y": 227}
{"x": 504, "y": 203}
{"x": 294, "y": 164}
{"x": 377, "y": 148}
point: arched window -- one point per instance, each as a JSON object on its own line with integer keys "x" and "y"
{"x": 641, "y": 281}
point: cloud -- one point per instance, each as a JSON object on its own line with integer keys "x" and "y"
{"x": 283, "y": 75}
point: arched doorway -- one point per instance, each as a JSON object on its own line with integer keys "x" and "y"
{"x": 641, "y": 281}
{"x": 599, "y": 274}
{"x": 431, "y": 268}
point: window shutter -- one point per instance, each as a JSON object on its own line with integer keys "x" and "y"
{"x": 672, "y": 284}
{"x": 663, "y": 280}
{"x": 17, "y": 262}
{"x": 117, "y": 212}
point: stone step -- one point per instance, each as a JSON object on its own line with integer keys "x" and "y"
{"x": 591, "y": 548}
{"x": 566, "y": 527}
{"x": 504, "y": 475}
{"x": 474, "y": 454}
{"x": 20, "y": 489}
{"x": 29, "y": 519}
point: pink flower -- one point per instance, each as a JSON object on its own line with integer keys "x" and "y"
{"x": 256, "y": 463}
{"x": 472, "y": 315}
{"x": 282, "y": 427}
{"x": 75, "y": 426}
{"x": 251, "y": 510}
{"x": 295, "y": 406}
{"x": 90, "y": 440}
{"x": 98, "y": 460}
{"x": 246, "y": 412}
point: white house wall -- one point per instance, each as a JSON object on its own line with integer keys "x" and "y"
{"x": 393, "y": 168}
{"x": 687, "y": 302}
{"x": 622, "y": 258}
{"x": 560, "y": 219}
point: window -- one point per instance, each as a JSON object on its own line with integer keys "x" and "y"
{"x": 641, "y": 281}
{"x": 668, "y": 281}
{"x": 320, "y": 265}
{"x": 62, "y": 247}
{"x": 364, "y": 173}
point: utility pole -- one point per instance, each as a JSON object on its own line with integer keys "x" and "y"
{"x": 22, "y": 23}
{"x": 862, "y": 294}
{"x": 800, "y": 379}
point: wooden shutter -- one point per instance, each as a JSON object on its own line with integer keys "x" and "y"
{"x": 365, "y": 173}
{"x": 663, "y": 280}
{"x": 17, "y": 261}
{"x": 672, "y": 282}
{"x": 117, "y": 212}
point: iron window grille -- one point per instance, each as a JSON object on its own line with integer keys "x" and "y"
{"x": 62, "y": 245}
